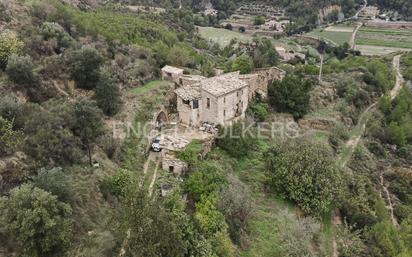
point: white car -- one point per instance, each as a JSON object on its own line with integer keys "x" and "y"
{"x": 156, "y": 145}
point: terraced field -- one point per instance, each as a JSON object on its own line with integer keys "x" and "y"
{"x": 381, "y": 40}
{"x": 223, "y": 36}
{"x": 336, "y": 34}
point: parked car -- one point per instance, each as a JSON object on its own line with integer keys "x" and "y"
{"x": 156, "y": 145}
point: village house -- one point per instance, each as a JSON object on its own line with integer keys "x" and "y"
{"x": 220, "y": 100}
{"x": 171, "y": 73}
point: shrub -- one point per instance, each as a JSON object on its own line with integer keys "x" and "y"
{"x": 291, "y": 95}
{"x": 259, "y": 111}
{"x": 236, "y": 205}
{"x": 9, "y": 139}
{"x": 9, "y": 44}
{"x": 108, "y": 95}
{"x": 84, "y": 67}
{"x": 243, "y": 63}
{"x": 20, "y": 70}
{"x": 52, "y": 30}
{"x": 11, "y": 110}
{"x": 37, "y": 220}
{"x": 306, "y": 174}
{"x": 259, "y": 20}
{"x": 207, "y": 178}
{"x": 117, "y": 184}
{"x": 235, "y": 140}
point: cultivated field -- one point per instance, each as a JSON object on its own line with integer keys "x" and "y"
{"x": 223, "y": 36}
{"x": 336, "y": 34}
{"x": 384, "y": 38}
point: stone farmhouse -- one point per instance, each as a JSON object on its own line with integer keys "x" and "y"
{"x": 220, "y": 100}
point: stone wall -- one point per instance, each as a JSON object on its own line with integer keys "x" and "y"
{"x": 187, "y": 114}
{"x": 172, "y": 164}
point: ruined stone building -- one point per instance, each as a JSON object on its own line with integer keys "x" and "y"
{"x": 217, "y": 100}
{"x": 220, "y": 100}
{"x": 171, "y": 73}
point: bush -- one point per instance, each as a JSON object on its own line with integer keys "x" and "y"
{"x": 84, "y": 67}
{"x": 20, "y": 70}
{"x": 235, "y": 140}
{"x": 259, "y": 111}
{"x": 243, "y": 63}
{"x": 108, "y": 95}
{"x": 57, "y": 183}
{"x": 52, "y": 30}
{"x": 117, "y": 185}
{"x": 9, "y": 44}
{"x": 259, "y": 20}
{"x": 236, "y": 205}
{"x": 207, "y": 178}
{"x": 10, "y": 140}
{"x": 306, "y": 174}
{"x": 39, "y": 223}
{"x": 291, "y": 95}
{"x": 11, "y": 110}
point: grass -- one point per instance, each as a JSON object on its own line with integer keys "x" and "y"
{"x": 263, "y": 228}
{"x": 223, "y": 36}
{"x": 148, "y": 87}
{"x": 338, "y": 37}
{"x": 384, "y": 37}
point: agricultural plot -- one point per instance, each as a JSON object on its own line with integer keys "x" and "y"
{"x": 336, "y": 34}
{"x": 378, "y": 41}
{"x": 223, "y": 36}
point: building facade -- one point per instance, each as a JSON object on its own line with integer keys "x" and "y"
{"x": 220, "y": 100}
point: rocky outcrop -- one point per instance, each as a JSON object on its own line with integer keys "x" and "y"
{"x": 323, "y": 13}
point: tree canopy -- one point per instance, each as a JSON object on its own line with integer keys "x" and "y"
{"x": 39, "y": 223}
{"x": 306, "y": 174}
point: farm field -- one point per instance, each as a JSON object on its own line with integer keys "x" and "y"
{"x": 336, "y": 34}
{"x": 388, "y": 39}
{"x": 223, "y": 36}
{"x": 378, "y": 50}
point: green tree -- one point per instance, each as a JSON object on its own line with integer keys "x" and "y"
{"x": 235, "y": 203}
{"x": 88, "y": 123}
{"x": 385, "y": 240}
{"x": 84, "y": 67}
{"x": 259, "y": 20}
{"x": 52, "y": 30}
{"x": 154, "y": 228}
{"x": 20, "y": 70}
{"x": 291, "y": 95}
{"x": 49, "y": 138}
{"x": 207, "y": 217}
{"x": 38, "y": 222}
{"x": 108, "y": 95}
{"x": 9, "y": 44}
{"x": 12, "y": 110}
{"x": 236, "y": 140}
{"x": 179, "y": 56}
{"x": 265, "y": 54}
{"x": 306, "y": 174}
{"x": 10, "y": 139}
{"x": 57, "y": 183}
{"x": 243, "y": 63}
{"x": 207, "y": 178}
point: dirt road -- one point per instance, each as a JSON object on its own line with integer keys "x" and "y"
{"x": 359, "y": 130}
{"x": 353, "y": 38}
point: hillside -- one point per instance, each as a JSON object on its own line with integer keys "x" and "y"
{"x": 128, "y": 130}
